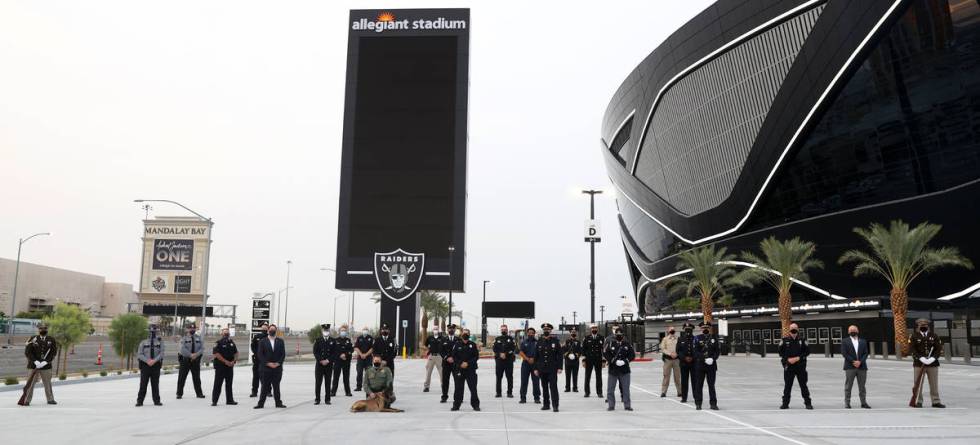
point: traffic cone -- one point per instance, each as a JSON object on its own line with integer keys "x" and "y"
{"x": 98, "y": 361}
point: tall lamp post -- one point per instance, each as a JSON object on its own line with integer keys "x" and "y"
{"x": 207, "y": 263}
{"x": 285, "y": 312}
{"x": 278, "y": 300}
{"x": 13, "y": 296}
{"x": 592, "y": 242}
{"x": 452, "y": 250}
{"x": 483, "y": 313}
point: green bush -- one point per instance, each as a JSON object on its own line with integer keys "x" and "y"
{"x": 103, "y": 373}
{"x": 119, "y": 372}
{"x": 84, "y": 374}
{"x": 62, "y": 376}
{"x": 10, "y": 381}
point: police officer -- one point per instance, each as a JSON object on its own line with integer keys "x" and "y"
{"x": 503, "y": 360}
{"x": 259, "y": 336}
{"x": 529, "y": 353}
{"x": 465, "y": 356}
{"x": 385, "y": 346}
{"x": 323, "y": 352}
{"x": 363, "y": 350}
{"x": 548, "y": 365}
{"x": 189, "y": 357}
{"x": 793, "y": 351}
{"x": 706, "y": 352}
{"x": 685, "y": 354}
{"x": 40, "y": 350}
{"x": 449, "y": 343}
{"x": 619, "y": 353}
{"x": 150, "y": 358}
{"x": 592, "y": 346}
{"x": 341, "y": 364}
{"x": 572, "y": 351}
{"x": 433, "y": 358}
{"x": 927, "y": 348}
{"x": 225, "y": 355}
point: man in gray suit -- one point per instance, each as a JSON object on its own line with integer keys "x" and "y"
{"x": 855, "y": 351}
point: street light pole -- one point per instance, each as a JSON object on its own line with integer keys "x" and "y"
{"x": 592, "y": 194}
{"x": 285, "y": 312}
{"x": 602, "y": 313}
{"x": 573, "y": 317}
{"x": 452, "y": 249}
{"x": 13, "y": 296}
{"x": 335, "y": 310}
{"x": 483, "y": 313}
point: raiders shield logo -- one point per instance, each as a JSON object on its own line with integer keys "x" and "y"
{"x": 398, "y": 273}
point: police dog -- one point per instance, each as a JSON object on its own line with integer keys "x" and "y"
{"x": 375, "y": 405}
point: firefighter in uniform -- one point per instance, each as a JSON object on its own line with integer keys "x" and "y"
{"x": 254, "y": 347}
{"x": 685, "y": 354}
{"x": 189, "y": 358}
{"x": 341, "y": 365}
{"x": 449, "y": 342}
{"x": 465, "y": 356}
{"x": 40, "y": 350}
{"x": 385, "y": 347}
{"x": 927, "y": 348}
{"x": 433, "y": 357}
{"x": 150, "y": 356}
{"x": 503, "y": 360}
{"x": 225, "y": 355}
{"x": 323, "y": 352}
{"x": 592, "y": 346}
{"x": 363, "y": 350}
{"x": 547, "y": 367}
{"x": 572, "y": 351}
{"x": 529, "y": 354}
{"x": 706, "y": 352}
{"x": 793, "y": 351}
{"x": 619, "y": 353}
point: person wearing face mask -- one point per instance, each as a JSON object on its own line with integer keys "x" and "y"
{"x": 150, "y": 358}
{"x": 225, "y": 355}
{"x": 363, "y": 349}
{"x": 592, "y": 346}
{"x": 40, "y": 350}
{"x": 256, "y": 369}
{"x": 323, "y": 353}
{"x": 378, "y": 380}
{"x": 547, "y": 367}
{"x": 793, "y": 351}
{"x": 529, "y": 353}
{"x": 433, "y": 357}
{"x": 668, "y": 352}
{"x": 572, "y": 351}
{"x": 503, "y": 360}
{"x": 465, "y": 357}
{"x": 343, "y": 348}
{"x": 272, "y": 354}
{"x": 706, "y": 353}
{"x": 449, "y": 343}
{"x": 685, "y": 357}
{"x": 855, "y": 351}
{"x": 927, "y": 348}
{"x": 619, "y": 353}
{"x": 189, "y": 358}
{"x": 385, "y": 346}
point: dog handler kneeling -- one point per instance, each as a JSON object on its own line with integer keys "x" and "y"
{"x": 378, "y": 381}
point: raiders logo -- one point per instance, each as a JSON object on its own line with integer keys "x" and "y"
{"x": 398, "y": 273}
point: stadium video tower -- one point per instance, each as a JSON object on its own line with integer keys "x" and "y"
{"x": 403, "y": 174}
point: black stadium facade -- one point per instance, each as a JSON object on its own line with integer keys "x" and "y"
{"x": 804, "y": 118}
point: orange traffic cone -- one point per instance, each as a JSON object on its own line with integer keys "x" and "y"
{"x": 98, "y": 361}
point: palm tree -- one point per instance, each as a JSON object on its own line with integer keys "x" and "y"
{"x": 431, "y": 304}
{"x": 900, "y": 255}
{"x": 781, "y": 263}
{"x": 710, "y": 276}
{"x": 726, "y": 301}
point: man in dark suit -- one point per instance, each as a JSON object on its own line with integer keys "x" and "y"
{"x": 855, "y": 351}
{"x": 271, "y": 352}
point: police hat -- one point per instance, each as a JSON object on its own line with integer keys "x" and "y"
{"x": 593, "y": 325}
{"x": 704, "y": 324}
{"x": 451, "y": 326}
{"x": 922, "y": 322}
{"x": 688, "y": 325}
{"x": 384, "y": 326}
{"x": 546, "y": 326}
{"x": 42, "y": 325}
{"x": 325, "y": 326}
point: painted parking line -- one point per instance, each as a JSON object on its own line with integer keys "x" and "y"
{"x": 713, "y": 428}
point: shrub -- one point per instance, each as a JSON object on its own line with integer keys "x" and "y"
{"x": 103, "y": 373}
{"x": 62, "y": 376}
{"x": 84, "y": 374}
{"x": 10, "y": 381}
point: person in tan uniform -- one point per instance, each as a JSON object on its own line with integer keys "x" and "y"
{"x": 668, "y": 349}
{"x": 927, "y": 349}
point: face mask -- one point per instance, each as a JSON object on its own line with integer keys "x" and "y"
{"x": 619, "y": 336}
{"x": 706, "y": 331}
{"x": 44, "y": 332}
{"x": 325, "y": 334}
{"x": 924, "y": 329}
{"x": 343, "y": 334}
{"x": 530, "y": 336}
{"x": 503, "y": 332}
{"x": 794, "y": 331}
{"x": 852, "y": 334}
{"x": 671, "y": 332}
{"x": 689, "y": 330}
{"x": 384, "y": 333}
{"x": 265, "y": 332}
{"x": 573, "y": 335}
{"x": 272, "y": 332}
{"x": 377, "y": 365}
{"x": 364, "y": 333}
{"x": 594, "y": 332}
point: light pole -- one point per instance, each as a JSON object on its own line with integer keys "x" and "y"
{"x": 13, "y": 295}
{"x": 592, "y": 194}
{"x": 335, "y": 309}
{"x": 573, "y": 317}
{"x": 207, "y": 262}
{"x": 452, "y": 250}
{"x": 602, "y": 313}
{"x": 483, "y": 313}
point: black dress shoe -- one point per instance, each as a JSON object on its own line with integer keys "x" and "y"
{"x": 252, "y": 395}
{"x": 683, "y": 400}
{"x": 938, "y": 405}
{"x": 443, "y": 400}
{"x": 476, "y": 408}
{"x": 599, "y": 395}
{"x": 537, "y": 400}
{"x": 455, "y": 408}
{"x": 698, "y": 407}
{"x": 567, "y": 390}
{"x": 349, "y": 395}
{"x": 316, "y": 402}
{"x": 425, "y": 389}
{"x": 629, "y": 408}
{"x": 555, "y": 409}
{"x": 496, "y": 396}
{"x": 587, "y": 394}
{"x": 574, "y": 389}
{"x": 52, "y": 402}
{"x": 809, "y": 406}
{"x": 610, "y": 409}
{"x": 663, "y": 394}
{"x": 784, "y": 406}
{"x": 714, "y": 407}
{"x": 522, "y": 401}
{"x": 280, "y": 405}
{"x": 865, "y": 406}
{"x": 357, "y": 389}
{"x": 180, "y": 396}
{"x": 214, "y": 403}
{"x": 201, "y": 396}
{"x": 139, "y": 404}
{"x": 258, "y": 407}
{"x": 510, "y": 396}
{"x": 157, "y": 404}
{"x": 545, "y": 408}
{"x": 847, "y": 405}
{"x": 918, "y": 405}
{"x": 326, "y": 402}
{"x": 231, "y": 403}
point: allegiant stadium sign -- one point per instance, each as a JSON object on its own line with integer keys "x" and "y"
{"x": 386, "y": 21}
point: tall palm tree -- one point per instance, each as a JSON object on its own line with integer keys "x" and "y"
{"x": 709, "y": 277}
{"x": 781, "y": 263}
{"x": 431, "y": 304}
{"x": 900, "y": 255}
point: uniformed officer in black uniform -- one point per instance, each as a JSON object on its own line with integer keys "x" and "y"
{"x": 592, "y": 346}
{"x": 529, "y": 355}
{"x": 385, "y": 347}
{"x": 189, "y": 358}
{"x": 341, "y": 364}
{"x": 363, "y": 350}
{"x": 449, "y": 342}
{"x": 254, "y": 347}
{"x": 619, "y": 353}
{"x": 793, "y": 351}
{"x": 225, "y": 355}
{"x": 323, "y": 352}
{"x": 706, "y": 352}
{"x": 503, "y": 358}
{"x": 465, "y": 356}
{"x": 548, "y": 365}
{"x": 150, "y": 356}
{"x": 685, "y": 354}
{"x": 572, "y": 353}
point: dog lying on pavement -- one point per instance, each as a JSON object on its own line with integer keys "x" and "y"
{"x": 375, "y": 405}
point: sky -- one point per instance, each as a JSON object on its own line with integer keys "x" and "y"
{"x": 235, "y": 109}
